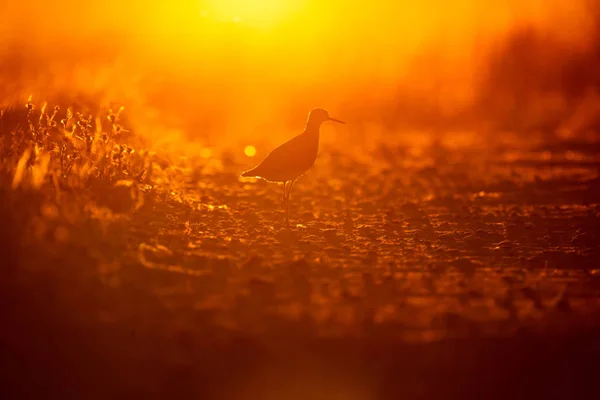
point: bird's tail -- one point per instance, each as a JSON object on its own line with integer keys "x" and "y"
{"x": 249, "y": 173}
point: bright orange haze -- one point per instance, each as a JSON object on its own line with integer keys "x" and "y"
{"x": 236, "y": 68}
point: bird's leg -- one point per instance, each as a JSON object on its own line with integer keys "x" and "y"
{"x": 284, "y": 192}
{"x": 290, "y": 189}
{"x": 284, "y": 197}
{"x": 287, "y": 201}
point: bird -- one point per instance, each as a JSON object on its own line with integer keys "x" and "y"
{"x": 292, "y": 159}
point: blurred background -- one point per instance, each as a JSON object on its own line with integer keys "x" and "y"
{"x": 228, "y": 70}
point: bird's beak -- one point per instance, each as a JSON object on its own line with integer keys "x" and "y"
{"x": 336, "y": 120}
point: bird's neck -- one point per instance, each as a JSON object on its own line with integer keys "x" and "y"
{"x": 311, "y": 135}
{"x": 312, "y": 128}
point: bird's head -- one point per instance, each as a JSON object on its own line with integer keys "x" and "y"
{"x": 317, "y": 116}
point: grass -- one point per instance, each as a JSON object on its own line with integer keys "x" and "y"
{"x": 413, "y": 274}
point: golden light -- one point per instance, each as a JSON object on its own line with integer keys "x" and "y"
{"x": 253, "y": 11}
{"x": 235, "y": 69}
{"x": 250, "y": 151}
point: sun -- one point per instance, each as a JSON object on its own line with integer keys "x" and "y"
{"x": 252, "y": 11}
{"x": 250, "y": 151}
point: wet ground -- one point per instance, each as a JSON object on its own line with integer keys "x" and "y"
{"x": 414, "y": 272}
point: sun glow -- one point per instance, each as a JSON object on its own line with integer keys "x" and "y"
{"x": 235, "y": 69}
{"x": 250, "y": 151}
{"x": 263, "y": 12}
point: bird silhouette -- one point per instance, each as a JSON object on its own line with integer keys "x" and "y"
{"x": 294, "y": 158}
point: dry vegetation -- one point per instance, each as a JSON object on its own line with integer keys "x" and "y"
{"x": 408, "y": 269}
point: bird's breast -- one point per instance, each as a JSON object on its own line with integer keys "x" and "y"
{"x": 290, "y": 160}
{"x": 307, "y": 153}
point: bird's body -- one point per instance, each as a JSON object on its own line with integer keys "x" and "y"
{"x": 290, "y": 160}
{"x": 294, "y": 158}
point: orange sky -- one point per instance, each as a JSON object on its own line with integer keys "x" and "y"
{"x": 257, "y": 59}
